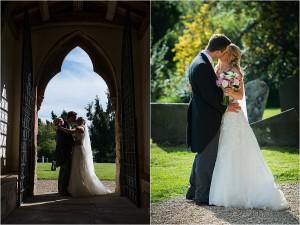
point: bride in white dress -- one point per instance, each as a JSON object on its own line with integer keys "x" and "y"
{"x": 83, "y": 180}
{"x": 241, "y": 177}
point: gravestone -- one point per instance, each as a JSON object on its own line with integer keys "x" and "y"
{"x": 257, "y": 92}
{"x": 289, "y": 94}
{"x": 53, "y": 166}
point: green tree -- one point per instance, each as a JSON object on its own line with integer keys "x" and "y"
{"x": 46, "y": 139}
{"x": 102, "y": 130}
{"x": 53, "y": 115}
{"x": 266, "y": 31}
{"x": 63, "y": 115}
{"x": 166, "y": 27}
{"x": 271, "y": 45}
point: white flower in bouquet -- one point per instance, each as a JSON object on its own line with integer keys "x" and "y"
{"x": 225, "y": 83}
{"x": 236, "y": 82}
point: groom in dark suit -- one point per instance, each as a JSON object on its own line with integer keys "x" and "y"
{"x": 63, "y": 152}
{"x": 204, "y": 117}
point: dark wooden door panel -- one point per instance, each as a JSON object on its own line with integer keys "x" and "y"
{"x": 26, "y": 120}
{"x": 129, "y": 165}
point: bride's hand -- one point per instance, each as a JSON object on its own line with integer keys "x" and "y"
{"x": 237, "y": 95}
{"x": 229, "y": 92}
{"x": 233, "y": 107}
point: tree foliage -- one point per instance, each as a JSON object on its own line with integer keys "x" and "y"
{"x": 46, "y": 139}
{"x": 266, "y": 31}
{"x": 198, "y": 30}
{"x": 102, "y": 130}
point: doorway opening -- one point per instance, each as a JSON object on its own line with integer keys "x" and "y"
{"x": 77, "y": 87}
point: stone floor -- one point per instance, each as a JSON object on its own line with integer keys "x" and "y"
{"x": 49, "y": 207}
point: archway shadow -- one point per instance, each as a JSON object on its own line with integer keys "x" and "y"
{"x": 56, "y": 209}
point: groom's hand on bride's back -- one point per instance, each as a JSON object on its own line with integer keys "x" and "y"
{"x": 233, "y": 107}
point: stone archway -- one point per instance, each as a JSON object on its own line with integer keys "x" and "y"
{"x": 51, "y": 65}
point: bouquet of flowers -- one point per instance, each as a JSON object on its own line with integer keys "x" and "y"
{"x": 228, "y": 80}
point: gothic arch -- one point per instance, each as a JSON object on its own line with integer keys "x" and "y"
{"x": 52, "y": 63}
{"x": 102, "y": 65}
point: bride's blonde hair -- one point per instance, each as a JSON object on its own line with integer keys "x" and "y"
{"x": 235, "y": 54}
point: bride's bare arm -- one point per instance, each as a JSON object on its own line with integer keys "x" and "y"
{"x": 79, "y": 129}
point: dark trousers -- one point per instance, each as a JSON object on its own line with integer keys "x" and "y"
{"x": 202, "y": 170}
{"x": 64, "y": 176}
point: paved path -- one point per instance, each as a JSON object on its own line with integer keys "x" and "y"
{"x": 50, "y": 186}
{"x": 179, "y": 210}
{"x": 51, "y": 208}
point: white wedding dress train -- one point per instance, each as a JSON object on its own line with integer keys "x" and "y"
{"x": 241, "y": 177}
{"x": 83, "y": 180}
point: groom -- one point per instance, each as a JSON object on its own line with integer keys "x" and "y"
{"x": 204, "y": 117}
{"x": 64, "y": 146}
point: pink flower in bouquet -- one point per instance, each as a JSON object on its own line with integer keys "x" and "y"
{"x": 228, "y": 80}
{"x": 219, "y": 82}
{"x": 236, "y": 81}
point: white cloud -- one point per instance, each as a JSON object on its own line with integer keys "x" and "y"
{"x": 74, "y": 87}
{"x": 77, "y": 55}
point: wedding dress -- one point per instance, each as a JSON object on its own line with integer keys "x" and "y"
{"x": 241, "y": 177}
{"x": 83, "y": 180}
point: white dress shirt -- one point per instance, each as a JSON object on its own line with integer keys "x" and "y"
{"x": 205, "y": 52}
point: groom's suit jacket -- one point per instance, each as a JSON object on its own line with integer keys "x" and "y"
{"x": 64, "y": 145}
{"x": 205, "y": 108}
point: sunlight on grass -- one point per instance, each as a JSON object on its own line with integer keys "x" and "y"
{"x": 271, "y": 112}
{"x": 105, "y": 171}
{"x": 171, "y": 167}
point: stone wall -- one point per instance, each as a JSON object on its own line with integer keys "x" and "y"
{"x": 278, "y": 130}
{"x": 168, "y": 123}
{"x": 168, "y": 126}
{"x": 11, "y": 52}
{"x": 8, "y": 195}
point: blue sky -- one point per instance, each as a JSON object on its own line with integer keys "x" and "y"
{"x": 74, "y": 87}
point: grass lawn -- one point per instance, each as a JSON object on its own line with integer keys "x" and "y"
{"x": 171, "y": 167}
{"x": 269, "y": 112}
{"x": 105, "y": 171}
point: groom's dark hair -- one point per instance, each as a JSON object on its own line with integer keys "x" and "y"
{"x": 218, "y": 42}
{"x": 71, "y": 114}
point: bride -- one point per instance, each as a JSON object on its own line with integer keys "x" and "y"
{"x": 83, "y": 180}
{"x": 241, "y": 177}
